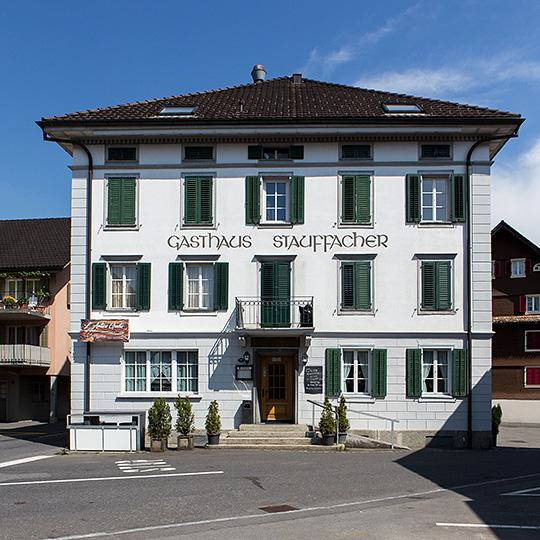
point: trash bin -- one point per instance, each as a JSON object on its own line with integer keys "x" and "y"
{"x": 247, "y": 411}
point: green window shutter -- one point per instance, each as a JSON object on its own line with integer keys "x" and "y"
{"x": 356, "y": 285}
{"x": 296, "y": 152}
{"x": 205, "y": 196}
{"x": 253, "y": 199}
{"x": 254, "y": 152}
{"x": 414, "y": 372}
{"x": 428, "y": 285}
{"x": 143, "y": 286}
{"x": 99, "y": 285}
{"x": 176, "y": 286}
{"x": 333, "y": 372}
{"x": 297, "y": 199}
{"x": 444, "y": 286}
{"x": 347, "y": 285}
{"x": 379, "y": 363}
{"x": 113, "y": 201}
{"x": 221, "y": 286}
{"x": 414, "y": 209}
{"x": 356, "y": 199}
{"x": 459, "y": 372}
{"x": 127, "y": 214}
{"x": 198, "y": 200}
{"x": 459, "y": 198}
{"x": 275, "y": 294}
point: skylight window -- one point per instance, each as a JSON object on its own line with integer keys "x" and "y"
{"x": 177, "y": 111}
{"x": 402, "y": 108}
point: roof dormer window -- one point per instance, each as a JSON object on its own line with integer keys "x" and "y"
{"x": 177, "y": 111}
{"x": 402, "y": 108}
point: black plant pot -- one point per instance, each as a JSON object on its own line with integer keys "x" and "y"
{"x": 328, "y": 440}
{"x": 213, "y": 438}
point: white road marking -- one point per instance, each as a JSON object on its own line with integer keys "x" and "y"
{"x": 102, "y": 478}
{"x": 23, "y": 460}
{"x": 299, "y": 511}
{"x": 524, "y": 492}
{"x": 143, "y": 465}
{"x": 488, "y": 526}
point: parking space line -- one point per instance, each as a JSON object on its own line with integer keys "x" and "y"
{"x": 104, "y": 478}
{"x": 524, "y": 492}
{"x": 23, "y": 460}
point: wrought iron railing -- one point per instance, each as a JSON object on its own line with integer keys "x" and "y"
{"x": 293, "y": 312}
{"x": 25, "y": 355}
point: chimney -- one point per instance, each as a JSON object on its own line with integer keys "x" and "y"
{"x": 258, "y": 74}
{"x": 297, "y": 78}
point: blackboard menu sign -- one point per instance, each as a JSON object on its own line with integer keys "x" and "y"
{"x": 313, "y": 381}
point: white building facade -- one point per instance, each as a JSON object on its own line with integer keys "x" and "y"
{"x": 323, "y": 230}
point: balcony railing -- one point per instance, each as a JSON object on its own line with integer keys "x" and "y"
{"x": 25, "y": 355}
{"x": 256, "y": 313}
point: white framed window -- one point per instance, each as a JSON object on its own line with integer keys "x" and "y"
{"x": 161, "y": 371}
{"x": 31, "y": 286}
{"x": 276, "y": 199}
{"x": 356, "y": 371}
{"x": 14, "y": 288}
{"x": 517, "y": 268}
{"x": 435, "y": 372}
{"x": 533, "y": 304}
{"x": 532, "y": 377}
{"x": 121, "y": 153}
{"x": 435, "y": 199}
{"x": 532, "y": 340}
{"x": 200, "y": 286}
{"x": 123, "y": 286}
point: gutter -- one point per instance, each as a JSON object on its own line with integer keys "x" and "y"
{"x": 88, "y": 250}
{"x": 468, "y": 175}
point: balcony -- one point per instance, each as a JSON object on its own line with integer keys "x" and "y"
{"x": 294, "y": 315}
{"x": 24, "y": 313}
{"x": 25, "y": 355}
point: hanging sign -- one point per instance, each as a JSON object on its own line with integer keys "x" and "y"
{"x": 94, "y": 330}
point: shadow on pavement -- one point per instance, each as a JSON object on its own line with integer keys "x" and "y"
{"x": 55, "y": 435}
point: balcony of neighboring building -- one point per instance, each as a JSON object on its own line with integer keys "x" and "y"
{"x": 22, "y": 354}
{"x": 287, "y": 316}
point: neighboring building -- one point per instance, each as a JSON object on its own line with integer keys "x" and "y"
{"x": 319, "y": 228}
{"x": 34, "y": 319}
{"x": 516, "y": 323}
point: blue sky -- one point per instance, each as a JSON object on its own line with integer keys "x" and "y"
{"x": 66, "y": 56}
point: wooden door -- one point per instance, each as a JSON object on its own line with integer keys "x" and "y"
{"x": 277, "y": 388}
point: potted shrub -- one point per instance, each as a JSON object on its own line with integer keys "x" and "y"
{"x": 343, "y": 421}
{"x": 22, "y": 302}
{"x": 496, "y": 418}
{"x": 159, "y": 425}
{"x": 185, "y": 423}
{"x": 327, "y": 423}
{"x": 9, "y": 301}
{"x": 213, "y": 423}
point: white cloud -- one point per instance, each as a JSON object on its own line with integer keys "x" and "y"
{"x": 419, "y": 81}
{"x": 515, "y": 190}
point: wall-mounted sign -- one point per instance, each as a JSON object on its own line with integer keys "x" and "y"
{"x": 285, "y": 242}
{"x": 313, "y": 380}
{"x": 244, "y": 373}
{"x": 94, "y": 330}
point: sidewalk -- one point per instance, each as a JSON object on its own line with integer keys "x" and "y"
{"x": 519, "y": 435}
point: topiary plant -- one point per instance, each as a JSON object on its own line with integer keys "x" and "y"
{"x": 327, "y": 423}
{"x": 185, "y": 420}
{"x": 496, "y": 418}
{"x": 343, "y": 423}
{"x": 159, "y": 419}
{"x": 213, "y": 420}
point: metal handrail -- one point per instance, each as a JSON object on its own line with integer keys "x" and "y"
{"x": 322, "y": 406}
{"x": 391, "y": 420}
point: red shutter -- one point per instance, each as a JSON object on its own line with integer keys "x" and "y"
{"x": 528, "y": 267}
{"x": 533, "y": 341}
{"x": 507, "y": 268}
{"x": 532, "y": 376}
{"x": 522, "y": 304}
{"x": 496, "y": 268}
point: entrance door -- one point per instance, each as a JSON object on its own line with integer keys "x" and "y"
{"x": 275, "y": 294}
{"x": 277, "y": 388}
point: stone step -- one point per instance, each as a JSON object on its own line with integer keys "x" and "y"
{"x": 274, "y": 441}
{"x": 274, "y": 427}
{"x": 303, "y": 447}
{"x": 271, "y": 434}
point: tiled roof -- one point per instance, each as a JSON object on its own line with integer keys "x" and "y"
{"x": 34, "y": 244}
{"x": 282, "y": 99}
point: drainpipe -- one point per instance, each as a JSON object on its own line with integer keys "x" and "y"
{"x": 468, "y": 175}
{"x": 88, "y": 253}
